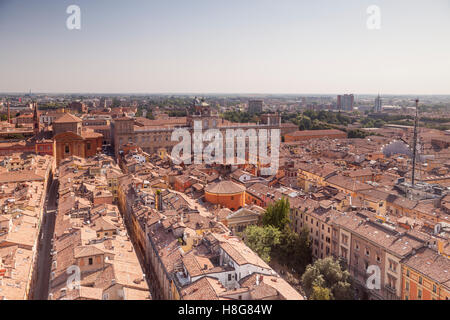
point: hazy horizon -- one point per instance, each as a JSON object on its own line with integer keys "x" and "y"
{"x": 201, "y": 47}
{"x": 223, "y": 94}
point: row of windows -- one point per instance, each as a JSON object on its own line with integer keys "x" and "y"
{"x": 155, "y": 138}
{"x": 100, "y": 123}
{"x": 317, "y": 222}
{"x": 420, "y": 282}
{"x": 408, "y": 275}
{"x": 367, "y": 251}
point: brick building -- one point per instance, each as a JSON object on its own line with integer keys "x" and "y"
{"x": 155, "y": 135}
{"x": 227, "y": 194}
{"x": 426, "y": 276}
{"x": 71, "y": 139}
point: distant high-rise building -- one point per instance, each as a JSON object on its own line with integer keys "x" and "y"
{"x": 345, "y": 102}
{"x": 255, "y": 106}
{"x": 378, "y": 104}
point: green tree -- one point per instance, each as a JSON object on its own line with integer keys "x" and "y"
{"x": 262, "y": 240}
{"x": 178, "y": 113}
{"x": 328, "y": 273}
{"x": 294, "y": 249}
{"x": 15, "y": 136}
{"x": 318, "y": 125}
{"x": 354, "y": 134}
{"x": 342, "y": 119}
{"x": 139, "y": 112}
{"x": 115, "y": 103}
{"x": 305, "y": 123}
{"x": 150, "y": 115}
{"x": 242, "y": 117}
{"x": 303, "y": 250}
{"x": 320, "y": 293}
{"x": 277, "y": 214}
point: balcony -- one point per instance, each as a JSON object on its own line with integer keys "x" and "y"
{"x": 390, "y": 289}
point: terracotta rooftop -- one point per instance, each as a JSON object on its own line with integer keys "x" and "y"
{"x": 86, "y": 251}
{"x": 201, "y": 290}
{"x": 67, "y": 118}
{"x": 225, "y": 187}
{"x": 431, "y": 264}
{"x": 398, "y": 243}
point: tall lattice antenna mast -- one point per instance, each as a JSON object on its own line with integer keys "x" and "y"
{"x": 416, "y": 122}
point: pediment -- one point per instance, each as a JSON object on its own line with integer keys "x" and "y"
{"x": 243, "y": 213}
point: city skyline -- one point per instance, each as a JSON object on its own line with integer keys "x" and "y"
{"x": 225, "y": 152}
{"x": 255, "y": 47}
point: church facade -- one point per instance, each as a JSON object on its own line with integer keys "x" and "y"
{"x": 71, "y": 139}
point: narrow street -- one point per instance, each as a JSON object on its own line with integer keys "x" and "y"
{"x": 45, "y": 245}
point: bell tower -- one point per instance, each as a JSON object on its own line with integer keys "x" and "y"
{"x": 36, "y": 121}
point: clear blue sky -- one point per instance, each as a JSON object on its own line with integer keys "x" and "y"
{"x": 233, "y": 46}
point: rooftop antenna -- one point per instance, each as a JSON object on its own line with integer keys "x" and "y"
{"x": 416, "y": 122}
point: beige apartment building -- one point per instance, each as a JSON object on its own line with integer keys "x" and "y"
{"x": 317, "y": 217}
{"x": 365, "y": 245}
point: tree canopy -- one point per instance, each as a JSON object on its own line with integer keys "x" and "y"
{"x": 294, "y": 249}
{"x": 262, "y": 240}
{"x": 275, "y": 239}
{"x": 115, "y": 103}
{"x": 354, "y": 134}
{"x": 327, "y": 274}
{"x": 277, "y": 214}
{"x": 241, "y": 117}
{"x": 320, "y": 293}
